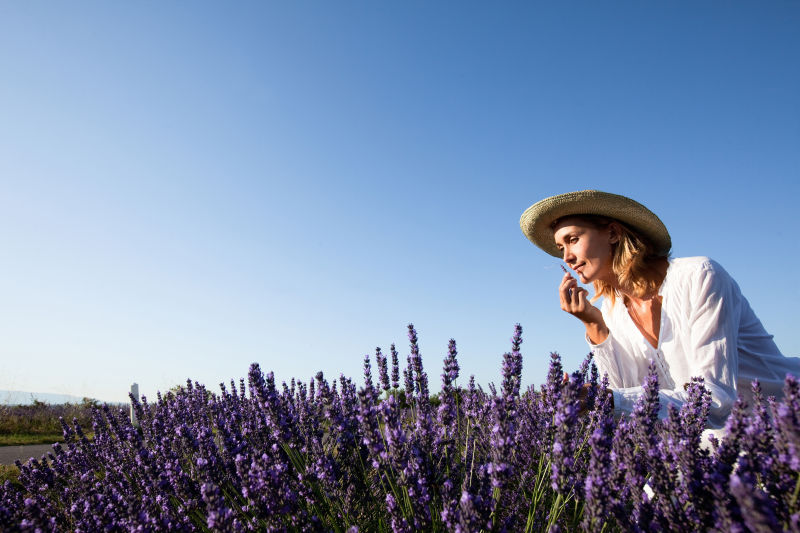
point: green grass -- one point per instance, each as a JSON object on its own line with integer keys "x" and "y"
{"x": 38, "y": 423}
{"x": 22, "y": 439}
{"x": 19, "y": 439}
{"x": 42, "y": 419}
{"x": 9, "y": 473}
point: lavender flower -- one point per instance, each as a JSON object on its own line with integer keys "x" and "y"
{"x": 419, "y": 375}
{"x": 597, "y": 492}
{"x": 565, "y": 476}
{"x": 395, "y": 368}
{"x": 320, "y": 456}
{"x": 447, "y": 413}
{"x": 758, "y": 509}
{"x": 383, "y": 369}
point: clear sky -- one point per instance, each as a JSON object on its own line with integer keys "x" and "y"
{"x": 189, "y": 187}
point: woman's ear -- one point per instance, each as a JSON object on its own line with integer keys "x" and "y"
{"x": 614, "y": 232}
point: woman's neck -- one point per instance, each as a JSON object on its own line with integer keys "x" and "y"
{"x": 630, "y": 294}
{"x": 630, "y": 299}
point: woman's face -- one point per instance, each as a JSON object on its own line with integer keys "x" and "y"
{"x": 586, "y": 249}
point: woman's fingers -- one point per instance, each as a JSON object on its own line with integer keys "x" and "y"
{"x": 567, "y": 291}
{"x": 575, "y": 299}
{"x": 564, "y": 290}
{"x": 582, "y": 296}
{"x": 578, "y": 298}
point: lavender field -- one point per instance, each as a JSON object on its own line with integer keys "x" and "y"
{"x": 329, "y": 456}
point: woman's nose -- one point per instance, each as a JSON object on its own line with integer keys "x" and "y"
{"x": 568, "y": 256}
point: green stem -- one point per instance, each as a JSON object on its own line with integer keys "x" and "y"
{"x": 796, "y": 493}
{"x": 553, "y": 512}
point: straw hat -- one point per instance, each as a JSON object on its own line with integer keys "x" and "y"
{"x": 536, "y": 220}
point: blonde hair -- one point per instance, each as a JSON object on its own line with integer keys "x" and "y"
{"x": 638, "y": 268}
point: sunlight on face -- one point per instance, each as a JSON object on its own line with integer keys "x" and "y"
{"x": 585, "y": 248}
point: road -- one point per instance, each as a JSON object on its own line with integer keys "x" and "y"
{"x": 9, "y": 454}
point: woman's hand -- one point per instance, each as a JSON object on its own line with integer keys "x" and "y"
{"x": 583, "y": 394}
{"x": 575, "y": 301}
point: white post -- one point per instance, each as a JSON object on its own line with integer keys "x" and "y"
{"x": 135, "y": 394}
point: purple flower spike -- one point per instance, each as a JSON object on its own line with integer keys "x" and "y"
{"x": 383, "y": 369}
{"x": 597, "y": 490}
{"x": 551, "y": 390}
{"x": 757, "y": 508}
{"x": 395, "y": 368}
{"x": 444, "y": 446}
{"x": 512, "y": 366}
{"x": 367, "y": 372}
{"x": 398, "y": 521}
{"x": 646, "y": 426}
{"x": 420, "y": 377}
{"x": 565, "y": 474}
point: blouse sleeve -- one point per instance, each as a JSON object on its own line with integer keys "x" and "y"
{"x": 714, "y": 337}
{"x": 614, "y": 358}
{"x": 713, "y": 317}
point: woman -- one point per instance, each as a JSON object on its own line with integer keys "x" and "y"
{"x": 685, "y": 314}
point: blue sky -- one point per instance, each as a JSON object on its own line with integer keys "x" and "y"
{"x": 186, "y": 188}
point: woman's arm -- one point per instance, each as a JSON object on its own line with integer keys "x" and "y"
{"x": 613, "y": 356}
{"x": 617, "y": 357}
{"x": 714, "y": 336}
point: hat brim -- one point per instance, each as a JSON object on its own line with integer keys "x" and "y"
{"x": 536, "y": 221}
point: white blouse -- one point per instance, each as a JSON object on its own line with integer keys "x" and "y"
{"x": 707, "y": 329}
